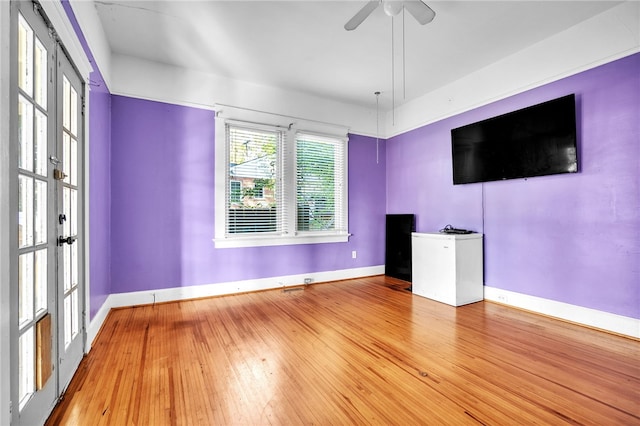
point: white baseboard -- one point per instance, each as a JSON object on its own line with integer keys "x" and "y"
{"x": 96, "y": 324}
{"x": 146, "y": 297}
{"x": 586, "y": 316}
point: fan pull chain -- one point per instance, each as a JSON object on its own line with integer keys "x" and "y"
{"x": 404, "y": 68}
{"x": 377, "y": 124}
{"x": 393, "y": 75}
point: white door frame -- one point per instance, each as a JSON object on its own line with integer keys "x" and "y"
{"x": 58, "y": 17}
{"x": 5, "y": 216}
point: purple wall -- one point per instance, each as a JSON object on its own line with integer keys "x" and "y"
{"x": 570, "y": 238}
{"x": 100, "y": 197}
{"x": 99, "y": 177}
{"x": 162, "y": 212}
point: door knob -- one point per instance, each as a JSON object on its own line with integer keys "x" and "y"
{"x": 68, "y": 240}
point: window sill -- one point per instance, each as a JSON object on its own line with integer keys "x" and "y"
{"x": 254, "y": 241}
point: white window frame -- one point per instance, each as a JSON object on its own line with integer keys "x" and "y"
{"x": 293, "y": 126}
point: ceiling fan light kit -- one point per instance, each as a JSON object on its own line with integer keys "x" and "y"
{"x": 392, "y": 7}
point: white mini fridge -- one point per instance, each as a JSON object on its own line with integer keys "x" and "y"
{"x": 448, "y": 268}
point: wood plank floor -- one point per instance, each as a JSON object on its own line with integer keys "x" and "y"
{"x": 360, "y": 351}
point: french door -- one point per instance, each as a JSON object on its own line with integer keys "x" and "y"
{"x": 46, "y": 275}
{"x": 70, "y": 262}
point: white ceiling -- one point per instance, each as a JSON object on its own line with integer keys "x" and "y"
{"x": 302, "y": 45}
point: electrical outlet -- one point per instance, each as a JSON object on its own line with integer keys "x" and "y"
{"x": 354, "y": 254}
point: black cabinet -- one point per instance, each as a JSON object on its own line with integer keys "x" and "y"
{"x": 397, "y": 257}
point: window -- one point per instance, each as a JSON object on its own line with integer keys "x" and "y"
{"x": 257, "y": 192}
{"x": 235, "y": 191}
{"x": 252, "y": 154}
{"x": 277, "y": 184}
{"x": 319, "y": 177}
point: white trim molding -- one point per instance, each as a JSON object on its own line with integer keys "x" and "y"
{"x": 147, "y": 297}
{"x": 87, "y": 16}
{"x": 96, "y": 324}
{"x": 5, "y": 215}
{"x": 578, "y": 314}
{"x": 144, "y": 79}
{"x": 58, "y": 17}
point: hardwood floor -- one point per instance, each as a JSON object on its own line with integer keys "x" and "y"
{"x": 362, "y": 351}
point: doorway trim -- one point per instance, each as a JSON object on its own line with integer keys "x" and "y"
{"x": 5, "y": 215}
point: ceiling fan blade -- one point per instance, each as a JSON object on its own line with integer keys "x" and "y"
{"x": 361, "y": 15}
{"x": 423, "y": 13}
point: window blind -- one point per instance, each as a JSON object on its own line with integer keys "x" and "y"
{"x": 253, "y": 198}
{"x": 319, "y": 183}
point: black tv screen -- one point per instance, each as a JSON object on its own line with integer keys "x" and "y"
{"x": 534, "y": 141}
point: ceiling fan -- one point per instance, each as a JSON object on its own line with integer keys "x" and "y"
{"x": 423, "y": 13}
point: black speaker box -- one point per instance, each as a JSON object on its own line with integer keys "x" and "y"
{"x": 398, "y": 245}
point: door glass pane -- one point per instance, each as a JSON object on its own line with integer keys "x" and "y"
{"x": 40, "y": 212}
{"x": 67, "y": 320}
{"x": 25, "y": 56}
{"x": 66, "y": 259}
{"x": 74, "y": 313}
{"x": 74, "y": 265}
{"x": 40, "y": 146}
{"x": 73, "y": 160}
{"x": 66, "y": 210}
{"x": 73, "y": 209}
{"x": 25, "y": 288}
{"x": 66, "y": 103}
{"x": 25, "y": 134}
{"x": 40, "y": 74}
{"x": 27, "y": 366}
{"x": 25, "y": 211}
{"x": 73, "y": 119}
{"x": 66, "y": 154}
{"x": 41, "y": 281}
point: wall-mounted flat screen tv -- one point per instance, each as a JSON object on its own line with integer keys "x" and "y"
{"x": 535, "y": 141}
